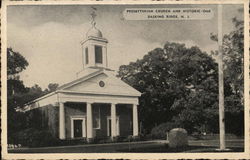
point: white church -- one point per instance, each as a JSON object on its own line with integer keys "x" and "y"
{"x": 96, "y": 104}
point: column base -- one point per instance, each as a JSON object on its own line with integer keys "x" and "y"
{"x": 136, "y": 138}
{"x": 114, "y": 139}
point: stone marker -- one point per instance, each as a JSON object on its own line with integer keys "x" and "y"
{"x": 178, "y": 137}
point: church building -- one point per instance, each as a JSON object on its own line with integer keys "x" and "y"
{"x": 95, "y": 104}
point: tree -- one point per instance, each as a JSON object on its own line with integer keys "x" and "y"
{"x": 52, "y": 87}
{"x": 170, "y": 79}
{"x": 233, "y": 51}
{"x": 16, "y": 63}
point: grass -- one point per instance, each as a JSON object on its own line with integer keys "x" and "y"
{"x": 165, "y": 149}
{"x": 195, "y": 146}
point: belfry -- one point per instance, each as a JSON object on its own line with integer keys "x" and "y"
{"x": 94, "y": 47}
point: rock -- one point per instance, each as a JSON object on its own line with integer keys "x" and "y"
{"x": 178, "y": 137}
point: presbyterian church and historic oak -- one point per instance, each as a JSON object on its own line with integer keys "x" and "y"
{"x": 96, "y": 104}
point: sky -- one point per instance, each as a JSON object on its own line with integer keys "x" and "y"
{"x": 49, "y": 36}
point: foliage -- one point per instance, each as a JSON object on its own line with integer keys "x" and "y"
{"x": 233, "y": 53}
{"x": 159, "y": 132}
{"x": 168, "y": 78}
{"x": 34, "y": 138}
{"x": 15, "y": 87}
{"x": 16, "y": 63}
{"x": 52, "y": 87}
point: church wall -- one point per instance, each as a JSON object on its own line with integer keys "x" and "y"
{"x": 53, "y": 119}
{"x": 125, "y": 114}
{"x": 49, "y": 119}
{"x": 104, "y": 111}
{"x": 44, "y": 118}
{"x": 125, "y": 120}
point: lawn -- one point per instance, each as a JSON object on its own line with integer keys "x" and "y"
{"x": 197, "y": 146}
{"x": 194, "y": 146}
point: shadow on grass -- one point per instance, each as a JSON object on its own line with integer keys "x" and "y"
{"x": 166, "y": 149}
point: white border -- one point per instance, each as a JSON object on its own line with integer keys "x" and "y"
{"x": 5, "y": 155}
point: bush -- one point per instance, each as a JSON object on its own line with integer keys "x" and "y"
{"x": 131, "y": 138}
{"x": 178, "y": 137}
{"x": 159, "y": 132}
{"x": 35, "y": 138}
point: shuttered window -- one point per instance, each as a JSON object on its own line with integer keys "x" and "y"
{"x": 98, "y": 54}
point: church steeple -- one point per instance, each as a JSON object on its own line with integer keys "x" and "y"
{"x": 94, "y": 47}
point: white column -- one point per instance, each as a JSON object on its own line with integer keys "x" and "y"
{"x": 113, "y": 120}
{"x": 61, "y": 121}
{"x": 221, "y": 81}
{"x": 89, "y": 121}
{"x": 135, "y": 120}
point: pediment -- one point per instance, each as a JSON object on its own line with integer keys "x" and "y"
{"x": 103, "y": 83}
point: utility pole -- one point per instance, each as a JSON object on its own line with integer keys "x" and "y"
{"x": 221, "y": 79}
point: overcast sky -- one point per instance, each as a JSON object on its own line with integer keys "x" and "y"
{"x": 49, "y": 36}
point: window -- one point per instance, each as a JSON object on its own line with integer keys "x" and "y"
{"x": 96, "y": 117}
{"x": 86, "y": 56}
{"x": 98, "y": 54}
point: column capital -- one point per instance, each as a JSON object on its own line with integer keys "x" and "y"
{"x": 60, "y": 102}
{"x": 89, "y": 102}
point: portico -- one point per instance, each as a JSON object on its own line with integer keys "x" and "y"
{"x": 88, "y": 128}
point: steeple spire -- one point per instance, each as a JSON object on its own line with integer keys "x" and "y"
{"x": 93, "y": 31}
{"x": 93, "y": 15}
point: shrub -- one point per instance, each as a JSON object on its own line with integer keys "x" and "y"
{"x": 178, "y": 137}
{"x": 131, "y": 138}
{"x": 148, "y": 137}
{"x": 159, "y": 132}
{"x": 35, "y": 138}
